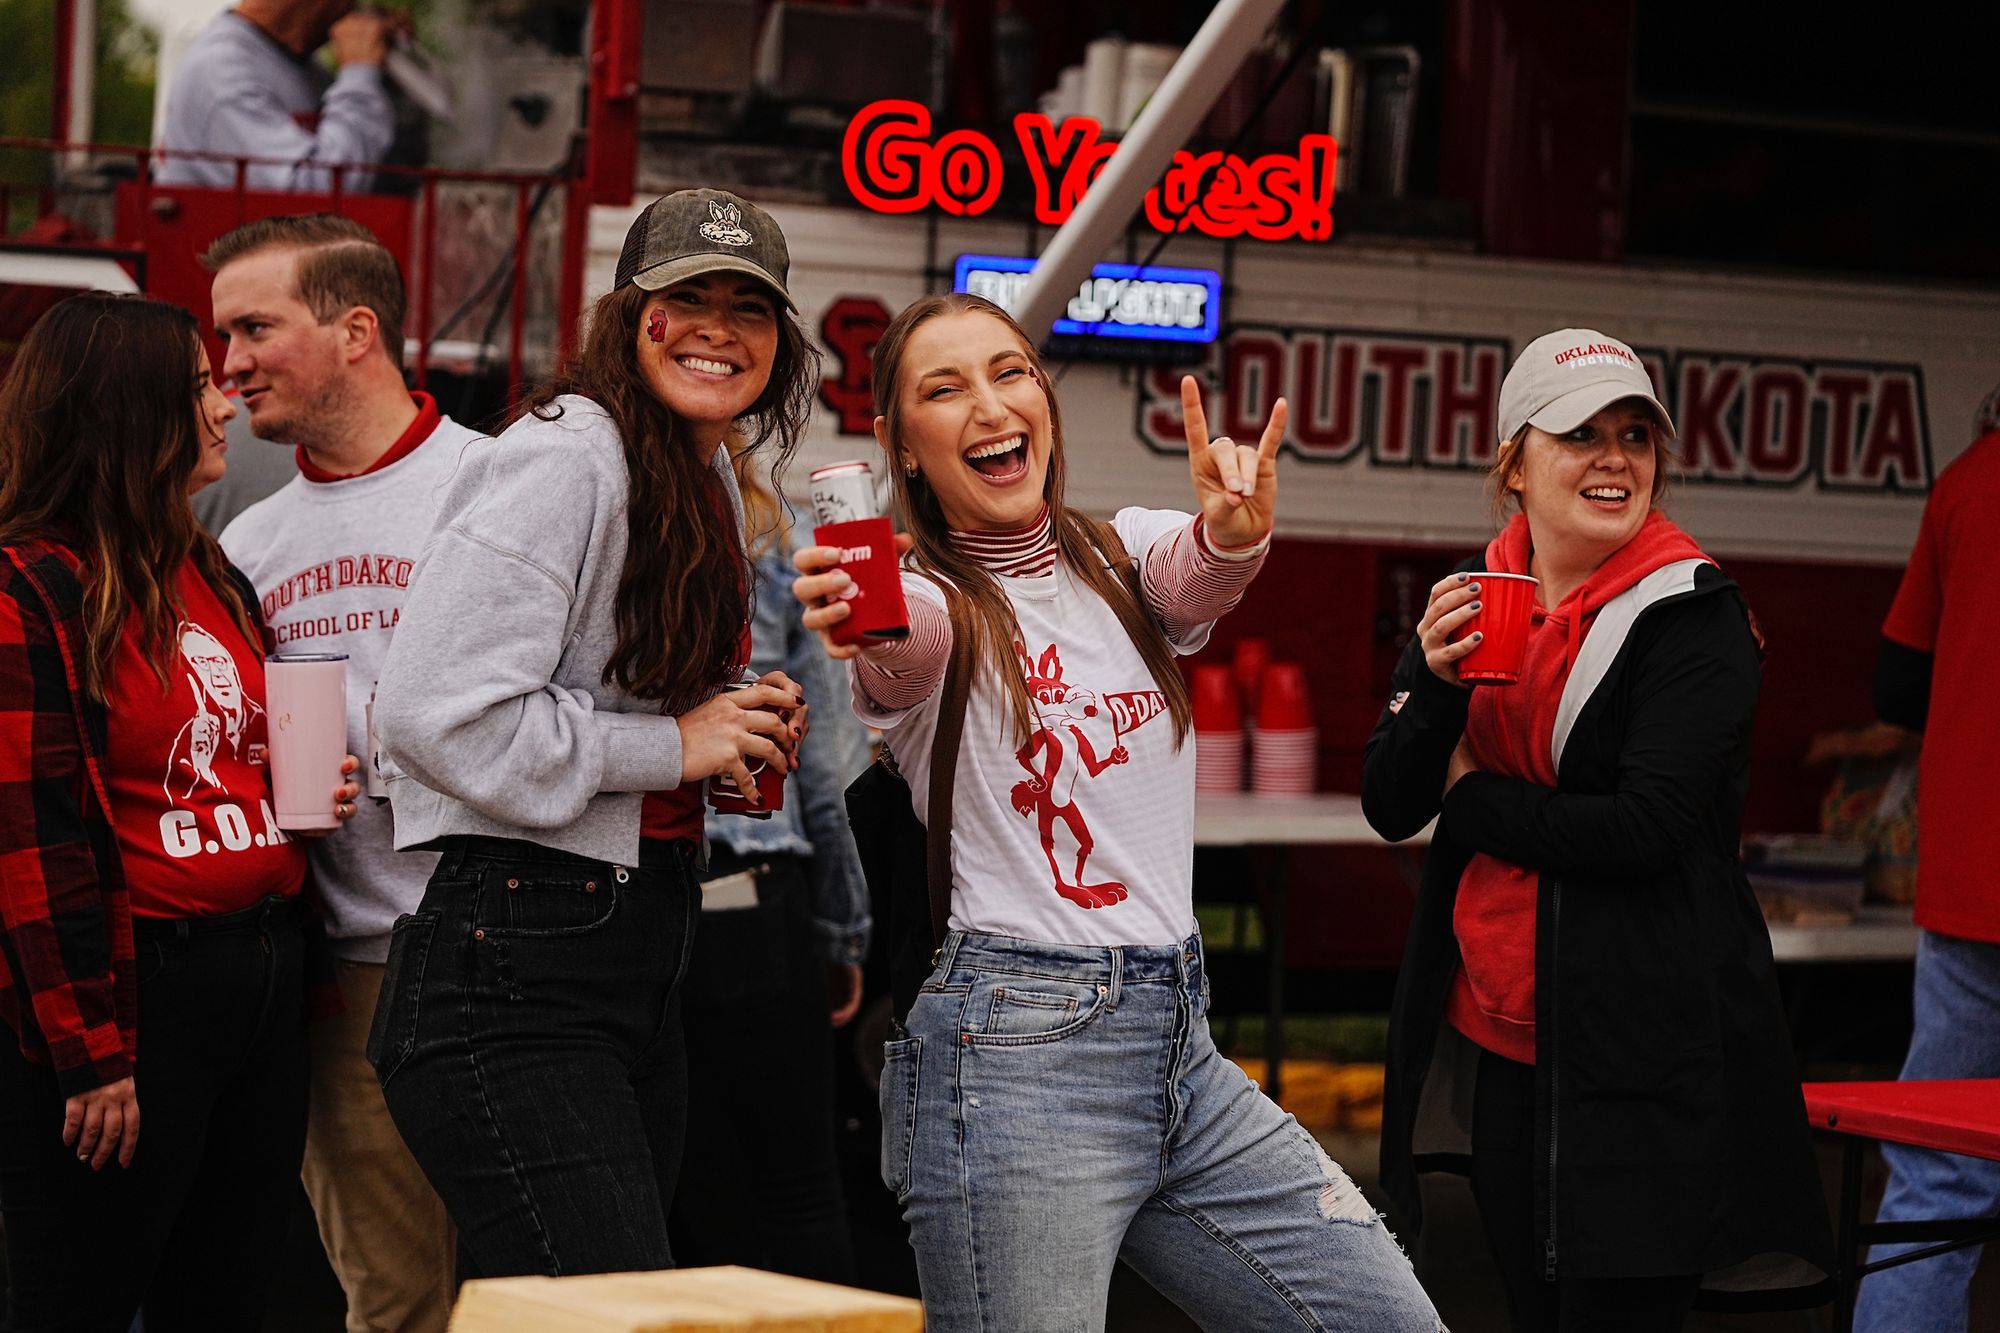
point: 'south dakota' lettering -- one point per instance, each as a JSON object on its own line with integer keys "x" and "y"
{"x": 347, "y": 571}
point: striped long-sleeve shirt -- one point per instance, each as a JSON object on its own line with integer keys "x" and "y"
{"x": 1188, "y": 581}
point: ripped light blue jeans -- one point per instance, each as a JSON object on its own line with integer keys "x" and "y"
{"x": 1054, "y": 1108}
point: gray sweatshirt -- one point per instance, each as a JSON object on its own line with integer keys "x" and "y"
{"x": 330, "y": 561}
{"x": 238, "y": 92}
{"x": 492, "y": 706}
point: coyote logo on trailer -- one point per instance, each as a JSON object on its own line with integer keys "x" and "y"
{"x": 1077, "y": 736}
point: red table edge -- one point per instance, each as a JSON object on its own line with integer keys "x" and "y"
{"x": 1951, "y": 1115}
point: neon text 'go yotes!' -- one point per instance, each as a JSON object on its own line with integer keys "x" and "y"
{"x": 892, "y": 165}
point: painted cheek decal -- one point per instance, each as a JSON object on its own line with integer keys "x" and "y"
{"x": 656, "y": 326}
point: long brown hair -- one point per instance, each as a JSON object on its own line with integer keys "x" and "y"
{"x": 680, "y": 611}
{"x": 1077, "y": 541}
{"x": 98, "y": 438}
{"x": 764, "y": 518}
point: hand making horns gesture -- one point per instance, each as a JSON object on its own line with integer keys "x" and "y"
{"x": 1236, "y": 485}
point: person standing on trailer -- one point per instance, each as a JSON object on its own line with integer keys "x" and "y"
{"x": 250, "y": 87}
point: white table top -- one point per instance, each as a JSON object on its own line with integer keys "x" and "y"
{"x": 85, "y": 272}
{"x": 1245, "y": 819}
{"x": 1880, "y": 933}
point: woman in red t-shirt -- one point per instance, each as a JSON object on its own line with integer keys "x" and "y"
{"x": 148, "y": 900}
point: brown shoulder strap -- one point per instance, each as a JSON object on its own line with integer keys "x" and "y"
{"x": 944, "y": 761}
{"x": 1121, "y": 561}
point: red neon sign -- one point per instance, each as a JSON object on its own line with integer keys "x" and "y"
{"x": 892, "y": 166}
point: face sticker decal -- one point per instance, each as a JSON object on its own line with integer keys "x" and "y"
{"x": 656, "y": 325}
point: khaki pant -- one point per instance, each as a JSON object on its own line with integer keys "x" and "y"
{"x": 384, "y": 1229}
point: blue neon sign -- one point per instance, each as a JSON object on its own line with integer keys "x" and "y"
{"x": 1153, "y": 304}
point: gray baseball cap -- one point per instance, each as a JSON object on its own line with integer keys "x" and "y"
{"x": 691, "y": 232}
{"x": 1563, "y": 379}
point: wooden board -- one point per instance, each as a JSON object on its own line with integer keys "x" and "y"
{"x": 688, "y": 1300}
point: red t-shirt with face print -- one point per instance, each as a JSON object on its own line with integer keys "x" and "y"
{"x": 190, "y": 792}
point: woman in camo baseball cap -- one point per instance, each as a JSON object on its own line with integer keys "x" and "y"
{"x": 561, "y": 686}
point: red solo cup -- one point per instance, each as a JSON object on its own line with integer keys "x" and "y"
{"x": 725, "y": 799}
{"x": 1216, "y": 707}
{"x": 723, "y": 796}
{"x": 1507, "y": 604}
{"x": 875, "y": 601}
{"x": 1285, "y": 763}
{"x": 1252, "y": 656}
{"x": 1218, "y": 760}
{"x": 1283, "y": 702}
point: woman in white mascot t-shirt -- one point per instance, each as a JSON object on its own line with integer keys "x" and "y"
{"x": 1054, "y": 1102}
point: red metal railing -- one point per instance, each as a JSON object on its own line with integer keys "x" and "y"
{"x": 142, "y": 208}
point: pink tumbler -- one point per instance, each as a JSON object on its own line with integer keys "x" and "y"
{"x": 305, "y": 696}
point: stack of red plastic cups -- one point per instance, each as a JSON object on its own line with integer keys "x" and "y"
{"x": 1284, "y": 750}
{"x": 1247, "y": 665}
{"x": 1218, "y": 731}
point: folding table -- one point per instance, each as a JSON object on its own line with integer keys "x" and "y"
{"x": 1247, "y": 819}
{"x": 1951, "y": 1115}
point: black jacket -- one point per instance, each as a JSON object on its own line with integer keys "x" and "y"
{"x": 1671, "y": 1135}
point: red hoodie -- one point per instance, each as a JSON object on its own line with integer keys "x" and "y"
{"x": 1510, "y": 730}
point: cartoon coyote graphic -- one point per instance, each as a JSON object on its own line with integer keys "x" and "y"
{"x": 1077, "y": 737}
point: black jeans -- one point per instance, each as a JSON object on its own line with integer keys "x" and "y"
{"x": 761, "y": 1183}
{"x": 192, "y": 1230}
{"x": 1503, "y": 1185}
{"x": 528, "y": 1039}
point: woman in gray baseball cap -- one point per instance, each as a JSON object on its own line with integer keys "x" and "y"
{"x": 561, "y": 685}
{"x": 1587, "y": 1011}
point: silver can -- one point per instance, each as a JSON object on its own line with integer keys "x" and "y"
{"x": 373, "y": 783}
{"x": 843, "y": 493}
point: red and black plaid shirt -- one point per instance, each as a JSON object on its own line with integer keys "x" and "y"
{"x": 68, "y": 979}
{"x": 68, "y": 983}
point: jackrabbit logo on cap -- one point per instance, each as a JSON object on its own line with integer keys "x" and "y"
{"x": 725, "y": 224}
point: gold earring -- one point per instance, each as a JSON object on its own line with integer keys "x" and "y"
{"x": 909, "y": 467}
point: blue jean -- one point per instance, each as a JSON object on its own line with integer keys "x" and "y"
{"x": 1957, "y": 1035}
{"x": 528, "y": 1039}
{"x": 1054, "y": 1108}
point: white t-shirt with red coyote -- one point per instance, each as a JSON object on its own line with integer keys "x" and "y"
{"x": 1084, "y": 833}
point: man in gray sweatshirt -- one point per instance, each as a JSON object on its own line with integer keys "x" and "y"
{"x": 312, "y": 310}
{"x": 248, "y": 87}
